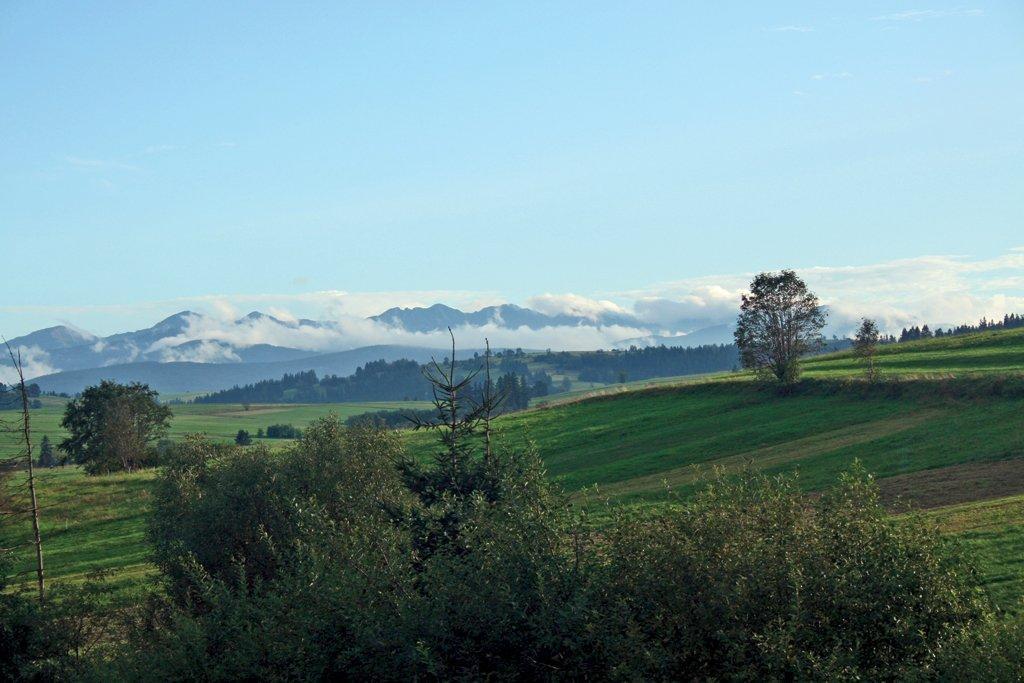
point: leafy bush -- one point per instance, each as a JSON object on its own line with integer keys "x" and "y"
{"x": 60, "y": 639}
{"x": 749, "y": 581}
{"x": 283, "y": 432}
{"x": 392, "y": 419}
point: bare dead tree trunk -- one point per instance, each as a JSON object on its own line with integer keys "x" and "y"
{"x": 26, "y": 434}
{"x": 454, "y": 405}
{"x": 488, "y": 402}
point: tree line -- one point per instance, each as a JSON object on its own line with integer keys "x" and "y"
{"x": 10, "y": 396}
{"x": 1010, "y": 321}
{"x": 400, "y": 380}
{"x": 403, "y": 380}
{"x": 636, "y": 363}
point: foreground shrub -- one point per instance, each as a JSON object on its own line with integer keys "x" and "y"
{"x": 749, "y": 581}
{"x": 495, "y": 599}
{"x": 59, "y": 639}
{"x": 281, "y": 566}
{"x": 991, "y": 650}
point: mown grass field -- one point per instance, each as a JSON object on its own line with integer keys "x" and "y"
{"x": 88, "y": 524}
{"x": 631, "y": 445}
{"x": 944, "y": 432}
{"x": 993, "y": 531}
{"x": 997, "y": 351}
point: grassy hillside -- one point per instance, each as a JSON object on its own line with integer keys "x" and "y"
{"x": 631, "y": 444}
{"x": 88, "y": 524}
{"x": 993, "y": 531}
{"x": 998, "y": 351}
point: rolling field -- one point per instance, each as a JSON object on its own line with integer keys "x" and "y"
{"x": 637, "y": 442}
{"x": 217, "y": 421}
{"x": 945, "y": 433}
{"x": 89, "y": 524}
{"x": 997, "y": 351}
{"x": 993, "y": 531}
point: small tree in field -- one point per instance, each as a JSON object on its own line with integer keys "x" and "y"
{"x": 112, "y": 425}
{"x": 780, "y": 321}
{"x": 865, "y": 346}
{"x": 46, "y": 458}
{"x": 242, "y": 438}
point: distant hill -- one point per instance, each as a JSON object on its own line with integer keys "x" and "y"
{"x": 179, "y": 377}
{"x": 192, "y": 337}
{"x": 534, "y": 375}
{"x": 716, "y": 334}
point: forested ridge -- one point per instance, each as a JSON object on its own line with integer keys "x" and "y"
{"x": 531, "y": 373}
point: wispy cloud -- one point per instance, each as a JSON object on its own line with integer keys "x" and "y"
{"x": 574, "y": 304}
{"x": 835, "y": 76}
{"x": 99, "y": 164}
{"x": 205, "y": 336}
{"x": 157, "y": 149}
{"x": 934, "y": 77}
{"x": 924, "y": 14}
{"x": 34, "y": 363}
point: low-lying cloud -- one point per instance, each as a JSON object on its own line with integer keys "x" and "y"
{"x": 352, "y": 332}
{"x": 575, "y": 305}
{"x": 34, "y": 363}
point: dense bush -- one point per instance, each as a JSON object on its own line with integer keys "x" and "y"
{"x": 283, "y": 431}
{"x": 59, "y": 639}
{"x": 391, "y": 419}
{"x": 328, "y": 561}
{"x": 749, "y": 582}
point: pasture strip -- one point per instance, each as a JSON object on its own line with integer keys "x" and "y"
{"x": 768, "y": 456}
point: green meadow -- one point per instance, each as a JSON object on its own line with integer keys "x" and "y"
{"x": 943, "y": 431}
{"x": 993, "y": 352}
{"x": 993, "y": 533}
{"x": 219, "y": 422}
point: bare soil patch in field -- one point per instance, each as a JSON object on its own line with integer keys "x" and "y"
{"x": 953, "y": 485}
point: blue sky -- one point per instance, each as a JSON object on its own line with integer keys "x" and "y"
{"x": 159, "y": 156}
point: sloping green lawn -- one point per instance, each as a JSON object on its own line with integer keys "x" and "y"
{"x": 993, "y": 531}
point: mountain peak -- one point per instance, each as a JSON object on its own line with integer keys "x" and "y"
{"x": 177, "y": 317}
{"x": 53, "y": 338}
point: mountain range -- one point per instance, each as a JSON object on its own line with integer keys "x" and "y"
{"x": 190, "y": 352}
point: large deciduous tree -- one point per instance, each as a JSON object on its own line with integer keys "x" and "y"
{"x": 780, "y": 321}
{"x": 112, "y": 425}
